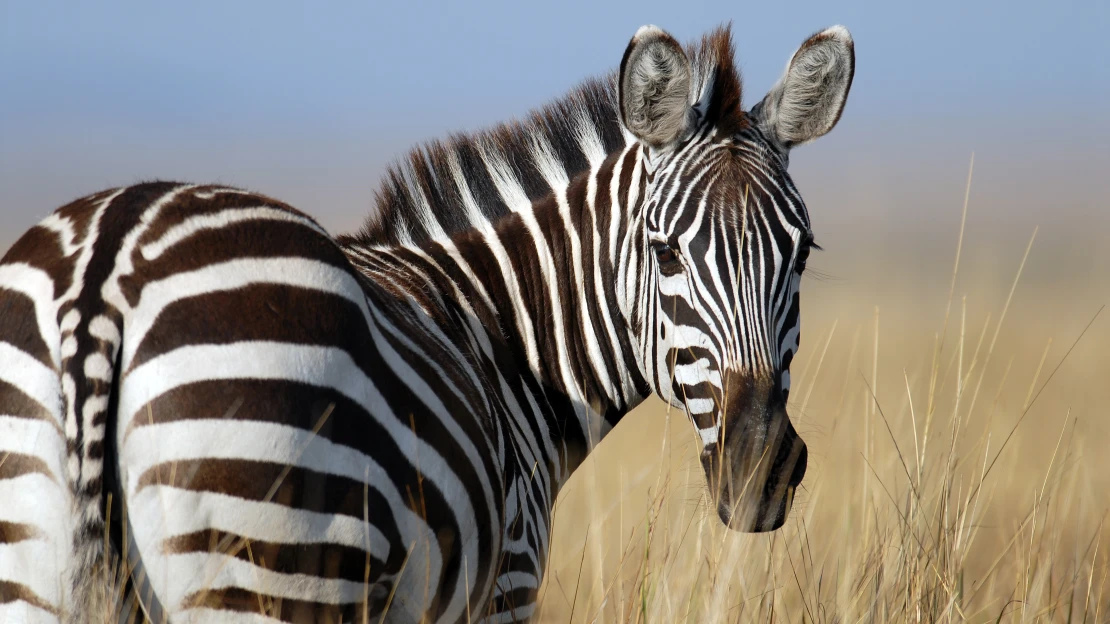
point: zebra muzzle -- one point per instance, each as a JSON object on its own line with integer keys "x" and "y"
{"x": 754, "y": 475}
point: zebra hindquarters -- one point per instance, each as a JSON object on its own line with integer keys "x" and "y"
{"x": 36, "y": 506}
{"x": 252, "y": 470}
{"x": 243, "y": 498}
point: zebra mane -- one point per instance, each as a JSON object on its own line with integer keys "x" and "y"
{"x": 439, "y": 184}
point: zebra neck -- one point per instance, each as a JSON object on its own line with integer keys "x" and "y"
{"x": 553, "y": 275}
{"x": 541, "y": 285}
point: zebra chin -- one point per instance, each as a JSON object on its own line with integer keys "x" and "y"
{"x": 753, "y": 492}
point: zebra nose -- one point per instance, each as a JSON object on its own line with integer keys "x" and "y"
{"x": 790, "y": 460}
{"x": 799, "y": 471}
{"x": 770, "y": 455}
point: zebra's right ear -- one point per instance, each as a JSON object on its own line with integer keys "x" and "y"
{"x": 654, "y": 88}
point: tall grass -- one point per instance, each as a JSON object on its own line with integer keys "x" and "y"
{"x": 960, "y": 472}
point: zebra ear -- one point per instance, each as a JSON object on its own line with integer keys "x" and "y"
{"x": 809, "y": 98}
{"x": 654, "y": 88}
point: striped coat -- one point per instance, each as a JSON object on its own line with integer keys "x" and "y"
{"x": 266, "y": 421}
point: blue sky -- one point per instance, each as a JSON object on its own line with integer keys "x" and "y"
{"x": 254, "y": 63}
{"x": 309, "y": 101}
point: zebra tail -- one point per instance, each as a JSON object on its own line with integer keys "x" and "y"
{"x": 89, "y": 383}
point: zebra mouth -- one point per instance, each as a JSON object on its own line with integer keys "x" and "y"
{"x": 767, "y": 510}
{"x": 763, "y": 523}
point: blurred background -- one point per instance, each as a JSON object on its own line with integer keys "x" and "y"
{"x": 309, "y": 103}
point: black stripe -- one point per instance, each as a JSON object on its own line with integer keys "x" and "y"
{"x": 264, "y": 312}
{"x": 331, "y": 561}
{"x": 11, "y": 591}
{"x": 285, "y": 609}
{"x": 15, "y": 465}
{"x": 17, "y": 404}
{"x": 12, "y": 532}
{"x": 246, "y": 239}
{"x": 19, "y": 327}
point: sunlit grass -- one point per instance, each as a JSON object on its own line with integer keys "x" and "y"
{"x": 924, "y": 510}
{"x": 959, "y": 472}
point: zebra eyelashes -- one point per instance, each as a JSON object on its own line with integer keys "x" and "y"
{"x": 664, "y": 253}
{"x": 803, "y": 254}
{"x": 800, "y": 262}
{"x": 666, "y": 256}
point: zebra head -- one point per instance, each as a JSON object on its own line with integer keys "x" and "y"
{"x": 725, "y": 241}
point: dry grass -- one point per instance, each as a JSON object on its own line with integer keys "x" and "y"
{"x": 973, "y": 487}
{"x": 958, "y": 472}
{"x": 958, "y": 437}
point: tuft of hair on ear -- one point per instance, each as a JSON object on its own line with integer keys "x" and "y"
{"x": 808, "y": 100}
{"x": 654, "y": 85}
{"x": 718, "y": 81}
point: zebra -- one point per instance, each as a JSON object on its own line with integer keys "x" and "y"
{"x": 268, "y": 423}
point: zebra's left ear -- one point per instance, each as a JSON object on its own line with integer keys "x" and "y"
{"x": 654, "y": 88}
{"x": 807, "y": 101}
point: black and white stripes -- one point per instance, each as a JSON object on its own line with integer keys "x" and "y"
{"x": 301, "y": 427}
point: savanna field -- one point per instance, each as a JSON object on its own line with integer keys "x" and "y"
{"x": 953, "y": 380}
{"x": 958, "y": 431}
{"x": 952, "y": 388}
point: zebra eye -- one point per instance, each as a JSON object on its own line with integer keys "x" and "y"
{"x": 803, "y": 255}
{"x": 664, "y": 253}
